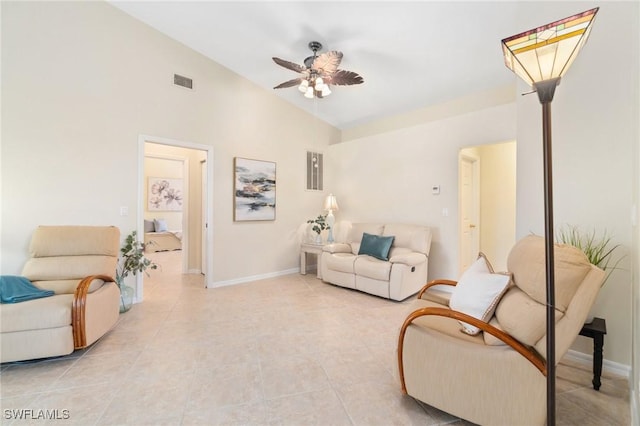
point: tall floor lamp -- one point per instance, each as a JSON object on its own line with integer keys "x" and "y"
{"x": 540, "y": 57}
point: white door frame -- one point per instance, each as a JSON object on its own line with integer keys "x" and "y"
{"x": 142, "y": 139}
{"x": 475, "y": 202}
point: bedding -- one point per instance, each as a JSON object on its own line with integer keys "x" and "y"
{"x": 163, "y": 241}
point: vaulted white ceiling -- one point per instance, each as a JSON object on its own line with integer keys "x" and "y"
{"x": 410, "y": 54}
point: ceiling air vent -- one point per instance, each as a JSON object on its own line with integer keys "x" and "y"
{"x": 179, "y": 80}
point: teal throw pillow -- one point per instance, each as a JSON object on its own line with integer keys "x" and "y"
{"x": 376, "y": 246}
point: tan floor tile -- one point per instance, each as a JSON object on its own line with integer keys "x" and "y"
{"x": 376, "y": 403}
{"x": 292, "y": 375}
{"x": 244, "y": 414}
{"x": 76, "y": 406}
{"x": 33, "y": 377}
{"x": 313, "y": 408}
{"x": 222, "y": 385}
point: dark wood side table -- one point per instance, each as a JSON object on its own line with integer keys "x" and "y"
{"x": 596, "y": 330}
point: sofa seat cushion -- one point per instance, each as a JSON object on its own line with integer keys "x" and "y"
{"x": 49, "y": 312}
{"x": 445, "y": 325}
{"x": 340, "y": 262}
{"x": 371, "y": 267}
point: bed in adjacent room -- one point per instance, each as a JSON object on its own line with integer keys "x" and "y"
{"x": 160, "y": 239}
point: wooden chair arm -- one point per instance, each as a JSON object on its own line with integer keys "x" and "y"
{"x": 531, "y": 355}
{"x": 79, "y": 306}
{"x": 436, "y": 282}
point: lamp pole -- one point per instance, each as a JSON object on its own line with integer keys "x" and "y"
{"x": 540, "y": 57}
{"x": 546, "y": 90}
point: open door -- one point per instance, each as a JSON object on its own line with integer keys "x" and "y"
{"x": 469, "y": 202}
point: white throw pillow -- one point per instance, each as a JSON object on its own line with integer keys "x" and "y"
{"x": 478, "y": 292}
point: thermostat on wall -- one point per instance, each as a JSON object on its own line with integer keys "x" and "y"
{"x": 435, "y": 190}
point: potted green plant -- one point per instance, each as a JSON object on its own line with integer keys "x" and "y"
{"x": 319, "y": 225}
{"x": 132, "y": 261}
{"x": 597, "y": 248}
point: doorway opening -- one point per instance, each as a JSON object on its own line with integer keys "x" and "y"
{"x": 187, "y": 168}
{"x": 487, "y": 203}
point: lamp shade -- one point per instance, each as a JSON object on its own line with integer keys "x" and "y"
{"x": 330, "y": 203}
{"x": 546, "y": 52}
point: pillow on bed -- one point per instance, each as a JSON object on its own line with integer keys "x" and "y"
{"x": 149, "y": 226}
{"x": 160, "y": 225}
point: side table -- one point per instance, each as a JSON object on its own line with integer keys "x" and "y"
{"x": 306, "y": 248}
{"x": 596, "y": 330}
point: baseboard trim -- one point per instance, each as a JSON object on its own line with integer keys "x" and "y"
{"x": 242, "y": 280}
{"x": 608, "y": 366}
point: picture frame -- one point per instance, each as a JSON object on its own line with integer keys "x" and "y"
{"x": 164, "y": 194}
{"x": 254, "y": 190}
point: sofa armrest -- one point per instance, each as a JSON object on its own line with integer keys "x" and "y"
{"x": 436, "y": 282}
{"x": 531, "y": 355}
{"x": 337, "y": 248}
{"x": 79, "y": 307}
{"x": 411, "y": 259}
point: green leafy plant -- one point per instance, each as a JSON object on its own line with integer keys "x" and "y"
{"x": 319, "y": 224}
{"x": 597, "y": 248}
{"x": 132, "y": 259}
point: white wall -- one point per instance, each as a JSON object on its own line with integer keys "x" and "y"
{"x": 388, "y": 177}
{"x": 82, "y": 80}
{"x": 595, "y": 128}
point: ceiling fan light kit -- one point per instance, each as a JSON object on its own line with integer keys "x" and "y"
{"x": 318, "y": 73}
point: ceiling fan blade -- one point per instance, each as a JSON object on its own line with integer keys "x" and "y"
{"x": 289, "y": 65}
{"x": 328, "y": 62}
{"x": 345, "y": 78}
{"x": 290, "y": 83}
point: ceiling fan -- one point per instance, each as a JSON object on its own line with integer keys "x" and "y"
{"x": 318, "y": 73}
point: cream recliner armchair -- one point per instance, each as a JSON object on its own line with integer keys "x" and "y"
{"x": 497, "y": 377}
{"x": 77, "y": 263}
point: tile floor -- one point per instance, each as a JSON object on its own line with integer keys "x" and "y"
{"x": 290, "y": 350}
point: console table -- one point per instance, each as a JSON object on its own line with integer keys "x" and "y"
{"x": 596, "y": 330}
{"x": 310, "y": 248}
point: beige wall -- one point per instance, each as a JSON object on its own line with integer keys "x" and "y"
{"x": 388, "y": 177}
{"x": 82, "y": 80}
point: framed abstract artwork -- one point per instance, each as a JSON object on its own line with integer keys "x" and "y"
{"x": 254, "y": 190}
{"x": 165, "y": 194}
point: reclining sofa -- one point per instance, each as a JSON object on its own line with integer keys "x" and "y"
{"x": 76, "y": 263}
{"x": 398, "y": 275}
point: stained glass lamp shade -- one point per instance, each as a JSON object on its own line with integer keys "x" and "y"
{"x": 546, "y": 52}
